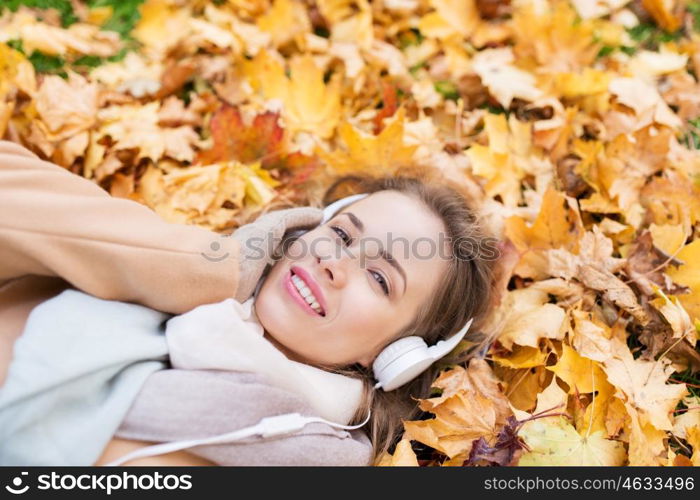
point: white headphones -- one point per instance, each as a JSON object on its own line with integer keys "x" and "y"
{"x": 406, "y": 358}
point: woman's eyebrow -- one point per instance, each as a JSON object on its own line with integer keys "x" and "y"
{"x": 383, "y": 252}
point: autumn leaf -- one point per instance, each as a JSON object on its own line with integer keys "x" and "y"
{"x": 262, "y": 140}
{"x": 381, "y": 153}
{"x": 308, "y": 104}
{"x": 687, "y": 274}
{"x": 403, "y": 456}
{"x": 642, "y": 384}
{"x": 558, "y": 225}
{"x": 471, "y": 406}
{"x": 580, "y": 374}
{"x": 554, "y": 441}
{"x": 233, "y": 140}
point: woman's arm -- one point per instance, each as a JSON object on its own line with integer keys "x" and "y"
{"x": 55, "y": 223}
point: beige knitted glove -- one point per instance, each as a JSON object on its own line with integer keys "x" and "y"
{"x": 261, "y": 238}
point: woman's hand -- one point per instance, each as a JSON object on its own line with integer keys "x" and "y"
{"x": 261, "y": 238}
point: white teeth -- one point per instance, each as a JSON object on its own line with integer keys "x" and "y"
{"x": 306, "y": 293}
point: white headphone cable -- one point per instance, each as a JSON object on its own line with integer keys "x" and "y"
{"x": 267, "y": 427}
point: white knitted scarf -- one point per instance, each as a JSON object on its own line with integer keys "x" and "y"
{"x": 228, "y": 336}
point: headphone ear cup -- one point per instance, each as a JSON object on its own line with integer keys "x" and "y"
{"x": 401, "y": 361}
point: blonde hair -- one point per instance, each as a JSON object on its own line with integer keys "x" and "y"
{"x": 465, "y": 291}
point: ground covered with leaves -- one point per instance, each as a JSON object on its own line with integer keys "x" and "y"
{"x": 573, "y": 124}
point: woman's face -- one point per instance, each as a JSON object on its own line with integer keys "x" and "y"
{"x": 348, "y": 278}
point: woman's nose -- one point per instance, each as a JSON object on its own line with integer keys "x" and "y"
{"x": 334, "y": 268}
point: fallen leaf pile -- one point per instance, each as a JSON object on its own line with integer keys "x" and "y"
{"x": 573, "y": 123}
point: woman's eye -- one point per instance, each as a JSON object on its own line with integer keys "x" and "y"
{"x": 381, "y": 281}
{"x": 343, "y": 235}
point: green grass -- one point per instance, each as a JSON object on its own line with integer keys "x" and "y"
{"x": 125, "y": 15}
{"x": 62, "y": 6}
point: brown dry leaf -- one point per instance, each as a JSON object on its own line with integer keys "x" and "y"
{"x": 676, "y": 316}
{"x": 694, "y": 441}
{"x": 523, "y": 385}
{"x": 65, "y": 107}
{"x": 504, "y": 80}
{"x": 134, "y": 126}
{"x": 471, "y": 406}
{"x": 80, "y": 38}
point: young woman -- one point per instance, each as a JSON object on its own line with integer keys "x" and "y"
{"x": 410, "y": 258}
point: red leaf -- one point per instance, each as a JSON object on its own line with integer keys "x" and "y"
{"x": 262, "y": 141}
{"x": 233, "y": 140}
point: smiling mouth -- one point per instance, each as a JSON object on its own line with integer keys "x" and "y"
{"x": 298, "y": 287}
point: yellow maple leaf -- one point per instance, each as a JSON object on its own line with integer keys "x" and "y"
{"x": 668, "y": 237}
{"x": 308, "y": 104}
{"x": 688, "y": 275}
{"x": 312, "y": 105}
{"x": 553, "y": 38}
{"x": 504, "y": 161}
{"x": 521, "y": 357}
{"x": 356, "y": 29}
{"x": 642, "y": 384}
{"x": 581, "y": 374}
{"x": 284, "y": 21}
{"x": 694, "y": 441}
{"x": 403, "y": 456}
{"x": 161, "y": 24}
{"x": 530, "y": 319}
{"x": 646, "y": 442}
{"x": 558, "y": 225}
{"x": 369, "y": 153}
{"x": 15, "y": 71}
{"x": 554, "y": 441}
{"x": 450, "y": 18}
